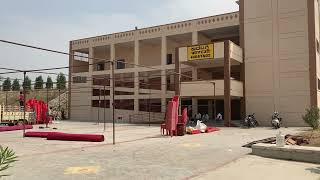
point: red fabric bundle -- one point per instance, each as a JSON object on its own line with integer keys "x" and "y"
{"x": 37, "y": 134}
{"x": 40, "y": 109}
{"x": 212, "y": 129}
{"x": 196, "y": 131}
{"x": 14, "y": 128}
{"x": 75, "y": 137}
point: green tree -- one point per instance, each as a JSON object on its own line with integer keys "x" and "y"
{"x": 312, "y": 117}
{"x": 39, "y": 83}
{"x": 49, "y": 83}
{"x": 61, "y": 81}
{"x": 15, "y": 85}
{"x": 7, "y": 157}
{"x": 6, "y": 85}
{"x": 27, "y": 83}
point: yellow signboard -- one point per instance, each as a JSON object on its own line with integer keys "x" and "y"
{"x": 199, "y": 52}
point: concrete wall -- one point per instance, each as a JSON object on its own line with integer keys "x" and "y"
{"x": 277, "y": 59}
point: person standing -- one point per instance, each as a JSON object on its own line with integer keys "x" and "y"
{"x": 21, "y": 100}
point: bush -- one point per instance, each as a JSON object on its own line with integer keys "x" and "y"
{"x": 312, "y": 117}
{"x": 7, "y": 157}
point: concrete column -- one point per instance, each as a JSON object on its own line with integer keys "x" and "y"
{"x": 195, "y": 41}
{"x": 112, "y": 58}
{"x": 91, "y": 55}
{"x": 163, "y": 73}
{"x": 195, "y": 38}
{"x": 227, "y": 86}
{"x": 136, "y": 77}
{"x": 210, "y": 113}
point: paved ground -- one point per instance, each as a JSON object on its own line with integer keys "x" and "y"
{"x": 254, "y": 167}
{"x": 140, "y": 153}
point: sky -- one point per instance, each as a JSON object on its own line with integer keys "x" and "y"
{"x": 53, "y": 23}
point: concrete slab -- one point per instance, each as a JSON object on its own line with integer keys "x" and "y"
{"x": 254, "y": 167}
{"x": 140, "y": 153}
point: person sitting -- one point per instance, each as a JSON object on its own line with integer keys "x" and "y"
{"x": 198, "y": 116}
{"x": 205, "y": 118}
{"x": 219, "y": 117}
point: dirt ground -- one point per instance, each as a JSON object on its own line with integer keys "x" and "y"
{"x": 140, "y": 153}
{"x": 313, "y": 136}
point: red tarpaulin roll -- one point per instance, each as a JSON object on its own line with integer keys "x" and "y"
{"x": 14, "y": 128}
{"x": 212, "y": 129}
{"x": 37, "y": 134}
{"x": 75, "y": 137}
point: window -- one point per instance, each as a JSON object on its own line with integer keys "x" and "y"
{"x": 169, "y": 59}
{"x": 81, "y": 56}
{"x": 318, "y": 48}
{"x": 121, "y": 64}
{"x": 79, "y": 79}
{"x": 100, "y": 66}
{"x": 318, "y": 84}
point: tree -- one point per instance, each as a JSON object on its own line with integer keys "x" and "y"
{"x": 49, "y": 83}
{"x": 27, "y": 83}
{"x": 61, "y": 81}
{"x": 312, "y": 117}
{"x": 39, "y": 83}
{"x": 6, "y": 85}
{"x": 7, "y": 157}
{"x": 15, "y": 85}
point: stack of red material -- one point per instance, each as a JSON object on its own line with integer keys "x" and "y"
{"x": 75, "y": 137}
{"x": 212, "y": 129}
{"x": 14, "y": 128}
{"x": 40, "y": 108}
{"x": 37, "y": 134}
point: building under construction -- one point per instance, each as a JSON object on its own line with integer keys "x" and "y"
{"x": 261, "y": 59}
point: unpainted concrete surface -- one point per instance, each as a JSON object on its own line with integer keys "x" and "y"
{"x": 254, "y": 167}
{"x": 140, "y": 153}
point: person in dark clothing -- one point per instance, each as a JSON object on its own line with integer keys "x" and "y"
{"x": 21, "y": 99}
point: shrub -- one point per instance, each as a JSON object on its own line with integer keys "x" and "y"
{"x": 7, "y": 157}
{"x": 312, "y": 117}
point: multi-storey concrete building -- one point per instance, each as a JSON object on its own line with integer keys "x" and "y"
{"x": 265, "y": 58}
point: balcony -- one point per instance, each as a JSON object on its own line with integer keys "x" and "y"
{"x": 217, "y": 59}
{"x": 210, "y": 88}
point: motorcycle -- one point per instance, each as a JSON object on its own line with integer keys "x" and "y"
{"x": 276, "y": 120}
{"x": 250, "y": 121}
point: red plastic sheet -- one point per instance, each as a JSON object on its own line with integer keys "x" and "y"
{"x": 40, "y": 108}
{"x": 14, "y": 128}
{"x": 75, "y": 137}
{"x": 212, "y": 129}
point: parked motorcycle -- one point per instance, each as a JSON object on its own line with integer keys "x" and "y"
{"x": 250, "y": 121}
{"x": 276, "y": 120}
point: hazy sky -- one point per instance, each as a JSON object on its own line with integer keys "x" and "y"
{"x": 53, "y": 23}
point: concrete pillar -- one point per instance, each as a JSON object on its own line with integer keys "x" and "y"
{"x": 195, "y": 38}
{"x": 91, "y": 55}
{"x": 136, "y": 77}
{"x": 210, "y": 112}
{"x": 163, "y": 73}
{"x": 227, "y": 86}
{"x": 195, "y": 41}
{"x": 112, "y": 58}
{"x": 194, "y": 106}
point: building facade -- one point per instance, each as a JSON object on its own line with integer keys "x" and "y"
{"x": 265, "y": 59}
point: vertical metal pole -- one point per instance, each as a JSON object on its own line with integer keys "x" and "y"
{"x": 59, "y": 104}
{"x": 24, "y": 103}
{"x": 6, "y": 98}
{"x": 105, "y": 105}
{"x": 214, "y": 100}
{"x": 113, "y": 103}
{"x": 149, "y": 104}
{"x": 99, "y": 105}
{"x": 47, "y": 108}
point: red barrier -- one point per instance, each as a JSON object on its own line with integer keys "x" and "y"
{"x": 37, "y": 134}
{"x": 14, "y": 128}
{"x": 75, "y": 137}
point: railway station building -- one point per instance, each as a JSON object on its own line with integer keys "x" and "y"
{"x": 260, "y": 59}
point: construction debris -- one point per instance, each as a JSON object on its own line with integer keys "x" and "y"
{"x": 289, "y": 139}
